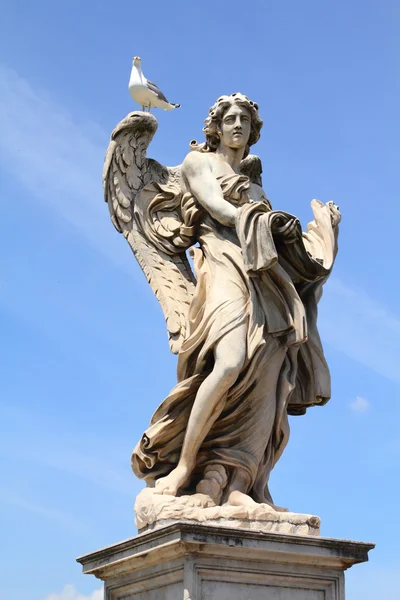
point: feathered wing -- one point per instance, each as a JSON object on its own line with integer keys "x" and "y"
{"x": 251, "y": 166}
{"x": 144, "y": 199}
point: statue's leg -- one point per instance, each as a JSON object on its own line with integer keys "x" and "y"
{"x": 229, "y": 354}
{"x": 237, "y": 491}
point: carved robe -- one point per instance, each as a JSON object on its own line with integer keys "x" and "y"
{"x": 245, "y": 275}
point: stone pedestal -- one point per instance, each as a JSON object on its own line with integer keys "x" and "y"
{"x": 201, "y": 562}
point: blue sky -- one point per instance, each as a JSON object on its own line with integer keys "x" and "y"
{"x": 84, "y": 353}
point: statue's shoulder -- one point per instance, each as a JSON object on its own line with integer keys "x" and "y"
{"x": 196, "y": 161}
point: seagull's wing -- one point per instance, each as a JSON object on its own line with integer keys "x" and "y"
{"x": 145, "y": 200}
{"x": 156, "y": 90}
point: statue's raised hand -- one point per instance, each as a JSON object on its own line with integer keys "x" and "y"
{"x": 285, "y": 226}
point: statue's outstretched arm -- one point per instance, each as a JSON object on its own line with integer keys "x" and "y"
{"x": 204, "y": 186}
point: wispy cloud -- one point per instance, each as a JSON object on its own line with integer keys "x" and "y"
{"x": 60, "y": 159}
{"x": 41, "y": 511}
{"x": 355, "y": 324}
{"x": 360, "y": 405}
{"x": 57, "y": 158}
{"x": 50, "y": 447}
{"x": 69, "y": 592}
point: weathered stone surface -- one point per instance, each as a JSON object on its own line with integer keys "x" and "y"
{"x": 155, "y": 511}
{"x": 197, "y": 562}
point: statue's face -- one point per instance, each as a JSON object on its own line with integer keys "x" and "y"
{"x": 235, "y": 127}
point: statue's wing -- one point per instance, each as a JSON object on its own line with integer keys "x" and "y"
{"x": 251, "y": 166}
{"x": 145, "y": 199}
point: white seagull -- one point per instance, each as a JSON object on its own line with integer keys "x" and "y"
{"x": 145, "y": 92}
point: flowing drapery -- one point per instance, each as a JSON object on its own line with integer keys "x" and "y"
{"x": 248, "y": 276}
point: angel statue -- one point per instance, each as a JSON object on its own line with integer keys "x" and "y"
{"x": 244, "y": 325}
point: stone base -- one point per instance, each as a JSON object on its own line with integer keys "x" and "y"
{"x": 198, "y": 562}
{"x": 154, "y": 511}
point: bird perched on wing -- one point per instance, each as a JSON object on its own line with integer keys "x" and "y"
{"x": 145, "y": 92}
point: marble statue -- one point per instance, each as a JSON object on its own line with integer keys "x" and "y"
{"x": 244, "y": 324}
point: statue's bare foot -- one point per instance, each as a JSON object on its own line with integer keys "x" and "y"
{"x": 172, "y": 482}
{"x": 237, "y": 498}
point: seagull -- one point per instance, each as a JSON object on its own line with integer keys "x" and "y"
{"x": 146, "y": 92}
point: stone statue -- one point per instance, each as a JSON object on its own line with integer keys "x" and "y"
{"x": 244, "y": 326}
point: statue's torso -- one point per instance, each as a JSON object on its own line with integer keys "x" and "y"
{"x": 236, "y": 188}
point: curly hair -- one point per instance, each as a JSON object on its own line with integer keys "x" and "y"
{"x": 213, "y": 121}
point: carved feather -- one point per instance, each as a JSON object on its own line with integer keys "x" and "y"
{"x": 169, "y": 279}
{"x": 126, "y": 172}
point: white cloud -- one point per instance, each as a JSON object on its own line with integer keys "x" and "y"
{"x": 70, "y": 593}
{"x": 360, "y": 405}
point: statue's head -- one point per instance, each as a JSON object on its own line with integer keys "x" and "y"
{"x": 233, "y": 121}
